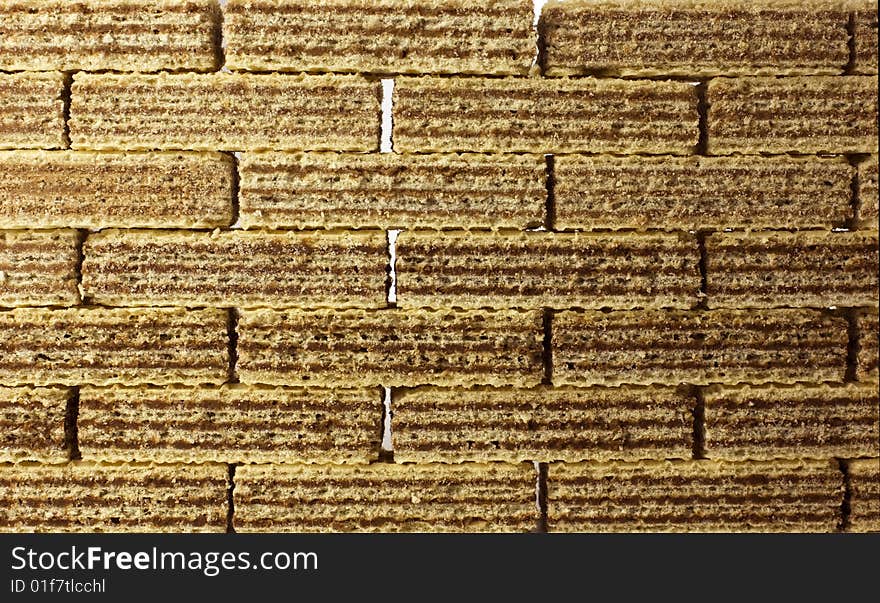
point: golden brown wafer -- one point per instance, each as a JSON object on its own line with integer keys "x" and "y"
{"x": 32, "y": 424}
{"x": 866, "y": 327}
{"x": 864, "y": 501}
{"x": 32, "y": 111}
{"x": 39, "y": 268}
{"x": 868, "y": 194}
{"x": 865, "y": 37}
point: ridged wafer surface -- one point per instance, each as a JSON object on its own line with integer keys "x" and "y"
{"x": 540, "y": 269}
{"x": 867, "y": 328}
{"x": 720, "y": 346}
{"x": 868, "y": 193}
{"x": 83, "y": 189}
{"x": 224, "y": 111}
{"x": 544, "y": 116}
{"x": 385, "y": 498}
{"x": 690, "y": 193}
{"x": 39, "y": 268}
{"x": 390, "y": 347}
{"x": 798, "y": 114}
{"x": 103, "y": 346}
{"x": 31, "y": 111}
{"x": 779, "y": 269}
{"x": 230, "y": 424}
{"x": 321, "y": 190}
{"x": 864, "y": 502}
{"x": 803, "y": 421}
{"x": 865, "y": 37}
{"x": 695, "y": 496}
{"x": 93, "y": 35}
{"x": 386, "y": 36}
{"x": 432, "y": 424}
{"x": 694, "y": 37}
{"x": 241, "y": 269}
{"x": 86, "y": 497}
{"x": 32, "y": 424}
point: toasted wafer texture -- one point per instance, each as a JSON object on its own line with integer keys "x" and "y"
{"x": 39, "y": 268}
{"x": 386, "y": 36}
{"x": 544, "y": 116}
{"x": 803, "y": 421}
{"x": 720, "y": 346}
{"x": 318, "y": 190}
{"x": 867, "y": 336}
{"x": 87, "y": 497}
{"x": 868, "y": 193}
{"x": 864, "y": 502}
{"x": 447, "y": 269}
{"x": 385, "y": 498}
{"x": 799, "y": 114}
{"x": 780, "y": 269}
{"x": 392, "y": 347}
{"x": 457, "y": 425}
{"x": 224, "y": 111}
{"x": 695, "y": 496}
{"x": 82, "y": 189}
{"x": 32, "y": 424}
{"x": 865, "y": 37}
{"x": 103, "y": 346}
{"x": 93, "y": 35}
{"x": 691, "y": 193}
{"x": 31, "y": 110}
{"x": 694, "y": 37}
{"x": 124, "y": 267}
{"x": 231, "y": 423}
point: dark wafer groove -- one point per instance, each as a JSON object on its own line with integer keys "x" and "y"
{"x": 852, "y": 347}
{"x": 80, "y": 258}
{"x": 541, "y": 42}
{"x": 230, "y": 502}
{"x": 699, "y": 433}
{"x": 232, "y": 345}
{"x": 845, "y": 504}
{"x": 547, "y": 346}
{"x": 66, "y": 95}
{"x": 235, "y": 186}
{"x": 702, "y": 147}
{"x": 71, "y": 431}
{"x": 703, "y": 303}
{"x": 851, "y": 45}
{"x": 543, "y": 469}
{"x": 550, "y": 203}
{"x": 855, "y": 202}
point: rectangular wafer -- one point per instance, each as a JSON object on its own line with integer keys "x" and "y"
{"x": 232, "y": 424}
{"x": 224, "y": 111}
{"x": 864, "y": 40}
{"x": 718, "y": 346}
{"x": 535, "y": 269}
{"x": 387, "y": 190}
{"x": 694, "y": 37}
{"x": 431, "y": 424}
{"x": 390, "y": 347}
{"x": 864, "y": 500}
{"x": 867, "y": 213}
{"x": 544, "y": 115}
{"x": 695, "y": 496}
{"x": 786, "y": 269}
{"x": 380, "y": 36}
{"x": 32, "y": 111}
{"x": 866, "y": 333}
{"x": 385, "y": 498}
{"x": 819, "y": 114}
{"x": 241, "y": 269}
{"x": 83, "y": 189}
{"x": 94, "y": 35}
{"x": 89, "y": 497}
{"x": 694, "y": 193}
{"x": 801, "y": 421}
{"x": 39, "y": 268}
{"x": 106, "y": 346}
{"x": 32, "y": 424}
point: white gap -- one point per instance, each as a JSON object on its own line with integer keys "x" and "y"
{"x": 537, "y": 466}
{"x": 392, "y": 254}
{"x": 386, "y": 427}
{"x": 387, "y": 143}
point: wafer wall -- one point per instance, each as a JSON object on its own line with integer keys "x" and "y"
{"x": 616, "y": 271}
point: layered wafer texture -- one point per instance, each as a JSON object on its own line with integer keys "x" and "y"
{"x": 32, "y": 424}
{"x": 39, "y": 268}
{"x": 866, "y": 336}
{"x": 865, "y": 37}
{"x": 32, "y": 111}
{"x": 864, "y": 501}
{"x": 868, "y": 193}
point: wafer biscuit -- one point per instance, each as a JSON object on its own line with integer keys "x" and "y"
{"x": 431, "y": 424}
{"x": 225, "y": 111}
{"x": 868, "y": 194}
{"x": 797, "y": 114}
{"x": 87, "y": 497}
{"x": 232, "y": 424}
{"x": 693, "y": 193}
{"x": 695, "y": 496}
{"x": 866, "y": 327}
{"x": 865, "y": 37}
{"x": 93, "y": 35}
{"x": 32, "y": 111}
{"x": 864, "y": 501}
{"x": 32, "y": 424}
{"x": 385, "y": 36}
{"x": 694, "y": 37}
{"x": 241, "y": 269}
{"x": 345, "y": 190}
{"x": 83, "y": 189}
{"x": 460, "y": 269}
{"x": 390, "y": 347}
{"x": 544, "y": 116}
{"x": 102, "y": 346}
{"x": 784, "y": 269}
{"x": 39, "y": 268}
{"x": 803, "y": 421}
{"x": 385, "y": 498}
{"x": 719, "y": 346}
